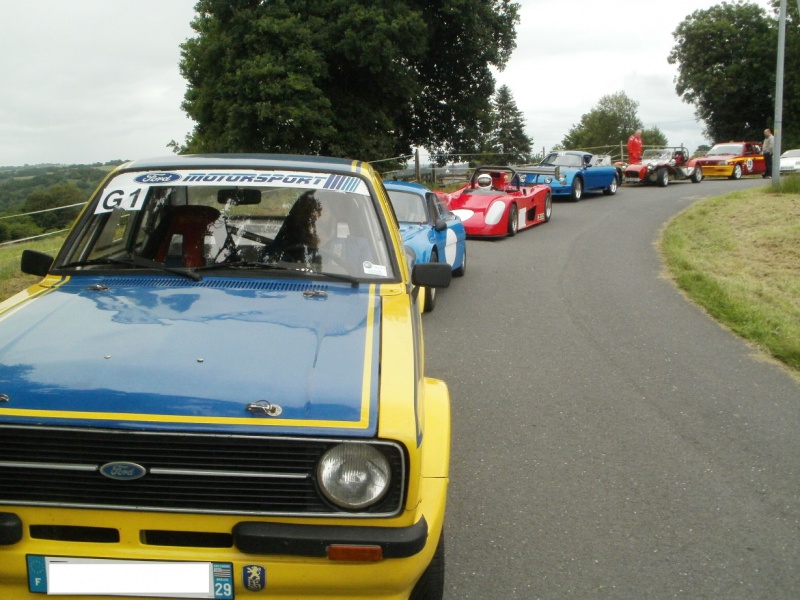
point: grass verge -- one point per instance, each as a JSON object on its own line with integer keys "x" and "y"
{"x": 12, "y": 280}
{"x": 738, "y": 256}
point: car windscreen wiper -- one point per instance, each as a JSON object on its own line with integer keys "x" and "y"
{"x": 134, "y": 261}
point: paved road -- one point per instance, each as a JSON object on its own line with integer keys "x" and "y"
{"x": 609, "y": 439}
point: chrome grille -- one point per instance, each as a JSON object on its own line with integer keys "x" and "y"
{"x": 205, "y": 473}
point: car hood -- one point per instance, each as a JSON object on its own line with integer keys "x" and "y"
{"x": 166, "y": 353}
{"x": 410, "y": 230}
{"x": 716, "y": 158}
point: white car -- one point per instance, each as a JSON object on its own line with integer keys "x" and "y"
{"x": 790, "y": 162}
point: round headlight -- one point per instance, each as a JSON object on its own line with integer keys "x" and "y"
{"x": 354, "y": 475}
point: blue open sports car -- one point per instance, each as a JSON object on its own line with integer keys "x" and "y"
{"x": 571, "y": 173}
{"x": 430, "y": 232}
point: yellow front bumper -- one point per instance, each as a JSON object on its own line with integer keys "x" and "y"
{"x": 717, "y": 170}
{"x": 286, "y": 576}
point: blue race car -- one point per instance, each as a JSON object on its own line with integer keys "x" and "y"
{"x": 570, "y": 173}
{"x": 430, "y": 232}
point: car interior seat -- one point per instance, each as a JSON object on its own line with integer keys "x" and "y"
{"x": 183, "y": 242}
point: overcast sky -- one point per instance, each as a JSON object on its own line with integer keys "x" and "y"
{"x": 84, "y": 81}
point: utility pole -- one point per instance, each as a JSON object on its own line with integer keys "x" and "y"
{"x": 776, "y": 155}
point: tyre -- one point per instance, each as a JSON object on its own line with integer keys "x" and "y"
{"x": 459, "y": 272}
{"x": 548, "y": 207}
{"x": 431, "y": 585}
{"x": 697, "y": 175}
{"x": 430, "y": 292}
{"x": 577, "y": 189}
{"x": 513, "y": 220}
{"x": 737, "y": 172}
{"x": 612, "y": 188}
{"x": 662, "y": 178}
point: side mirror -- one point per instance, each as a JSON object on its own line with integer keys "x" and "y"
{"x": 440, "y": 224}
{"x": 36, "y": 263}
{"x": 432, "y": 274}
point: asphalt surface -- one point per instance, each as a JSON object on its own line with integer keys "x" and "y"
{"x": 610, "y": 440}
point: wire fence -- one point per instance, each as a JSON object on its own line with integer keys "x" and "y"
{"x": 434, "y": 169}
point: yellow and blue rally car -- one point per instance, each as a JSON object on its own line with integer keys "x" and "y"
{"x": 218, "y": 391}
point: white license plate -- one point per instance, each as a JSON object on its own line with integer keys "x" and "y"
{"x": 58, "y": 576}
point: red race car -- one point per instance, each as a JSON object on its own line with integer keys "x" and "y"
{"x": 495, "y": 203}
{"x": 733, "y": 159}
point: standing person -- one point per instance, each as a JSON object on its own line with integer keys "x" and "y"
{"x": 767, "y": 149}
{"x": 635, "y": 147}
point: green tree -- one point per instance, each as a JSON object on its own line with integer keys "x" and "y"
{"x": 653, "y": 136}
{"x": 611, "y": 121}
{"x": 367, "y": 79}
{"x": 507, "y": 138}
{"x": 726, "y": 59}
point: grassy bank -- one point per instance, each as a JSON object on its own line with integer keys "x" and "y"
{"x": 12, "y": 280}
{"x": 738, "y": 256}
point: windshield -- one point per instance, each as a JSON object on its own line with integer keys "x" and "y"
{"x": 563, "y": 160}
{"x": 657, "y": 154}
{"x": 409, "y": 207}
{"x": 725, "y": 149}
{"x": 201, "y": 220}
{"x": 791, "y": 154}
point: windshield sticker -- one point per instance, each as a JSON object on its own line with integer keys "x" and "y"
{"x": 373, "y": 269}
{"x": 128, "y": 190}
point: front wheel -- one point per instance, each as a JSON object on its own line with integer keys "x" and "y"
{"x": 612, "y": 188}
{"x": 662, "y": 178}
{"x": 737, "y": 172}
{"x": 577, "y": 189}
{"x": 697, "y": 175}
{"x": 431, "y": 585}
{"x": 430, "y": 292}
{"x": 513, "y": 220}
{"x": 459, "y": 272}
{"x": 548, "y": 207}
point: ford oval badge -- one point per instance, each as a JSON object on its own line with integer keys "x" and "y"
{"x": 123, "y": 471}
{"x": 153, "y": 178}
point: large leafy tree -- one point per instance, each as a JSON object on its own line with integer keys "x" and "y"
{"x": 726, "y": 57}
{"x": 507, "y": 138}
{"x": 362, "y": 78}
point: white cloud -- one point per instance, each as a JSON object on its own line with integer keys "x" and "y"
{"x": 94, "y": 80}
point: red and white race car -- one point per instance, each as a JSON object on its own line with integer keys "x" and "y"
{"x": 660, "y": 165}
{"x": 495, "y": 203}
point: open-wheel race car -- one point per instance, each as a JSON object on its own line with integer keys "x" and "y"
{"x": 498, "y": 202}
{"x": 662, "y": 165}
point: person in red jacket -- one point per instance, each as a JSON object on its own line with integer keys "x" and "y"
{"x": 635, "y": 147}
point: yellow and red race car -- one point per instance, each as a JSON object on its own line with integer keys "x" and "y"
{"x": 732, "y": 160}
